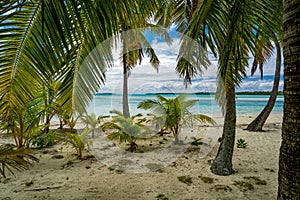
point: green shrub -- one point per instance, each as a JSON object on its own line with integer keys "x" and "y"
{"x": 174, "y": 113}
{"x": 241, "y": 143}
{"x": 78, "y": 142}
{"x": 43, "y": 140}
{"x": 126, "y": 129}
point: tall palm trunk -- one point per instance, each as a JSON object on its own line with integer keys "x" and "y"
{"x": 259, "y": 121}
{"x": 125, "y": 87}
{"x": 222, "y": 164}
{"x": 289, "y": 157}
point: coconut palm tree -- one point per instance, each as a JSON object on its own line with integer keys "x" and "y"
{"x": 229, "y": 30}
{"x": 126, "y": 129}
{"x": 289, "y": 157}
{"x": 57, "y": 40}
{"x": 134, "y": 45}
{"x": 261, "y": 58}
{"x": 91, "y": 121}
{"x": 259, "y": 121}
{"x": 175, "y": 113}
{"x": 77, "y": 141}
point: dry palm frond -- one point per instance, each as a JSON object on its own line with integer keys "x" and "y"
{"x": 12, "y": 158}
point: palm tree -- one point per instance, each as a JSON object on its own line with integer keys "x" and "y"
{"x": 77, "y": 141}
{"x": 126, "y": 129}
{"x": 175, "y": 113}
{"x": 289, "y": 157}
{"x": 228, "y": 29}
{"x": 46, "y": 39}
{"x": 259, "y": 121}
{"x": 91, "y": 122}
{"x": 134, "y": 45}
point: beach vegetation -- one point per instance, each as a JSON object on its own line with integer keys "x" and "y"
{"x": 173, "y": 113}
{"x": 134, "y": 46}
{"x": 126, "y": 129}
{"x": 42, "y": 140}
{"x": 49, "y": 42}
{"x": 15, "y": 158}
{"x": 231, "y": 45}
{"x": 23, "y": 124}
{"x": 71, "y": 121}
{"x": 241, "y": 143}
{"x": 77, "y": 141}
{"x": 260, "y": 59}
{"x": 91, "y": 121}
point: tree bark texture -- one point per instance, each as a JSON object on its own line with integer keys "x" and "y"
{"x": 222, "y": 164}
{"x": 289, "y": 157}
{"x": 125, "y": 89}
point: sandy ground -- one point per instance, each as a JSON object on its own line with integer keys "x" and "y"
{"x": 149, "y": 175}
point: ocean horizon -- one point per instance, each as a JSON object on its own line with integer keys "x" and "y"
{"x": 245, "y": 104}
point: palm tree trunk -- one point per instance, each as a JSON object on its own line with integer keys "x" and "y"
{"x": 222, "y": 164}
{"x": 259, "y": 121}
{"x": 47, "y": 128}
{"x": 125, "y": 82}
{"x": 125, "y": 89}
{"x": 289, "y": 157}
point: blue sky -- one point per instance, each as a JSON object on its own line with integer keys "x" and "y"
{"x": 144, "y": 79}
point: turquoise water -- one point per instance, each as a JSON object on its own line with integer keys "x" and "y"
{"x": 246, "y": 104}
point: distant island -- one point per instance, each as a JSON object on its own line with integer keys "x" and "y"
{"x": 203, "y": 93}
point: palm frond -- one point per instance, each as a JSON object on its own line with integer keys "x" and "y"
{"x": 121, "y": 137}
{"x": 12, "y": 158}
{"x": 205, "y": 119}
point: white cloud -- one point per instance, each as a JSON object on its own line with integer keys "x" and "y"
{"x": 145, "y": 79}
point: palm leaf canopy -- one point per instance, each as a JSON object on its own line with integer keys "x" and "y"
{"x": 43, "y": 41}
{"x": 229, "y": 29}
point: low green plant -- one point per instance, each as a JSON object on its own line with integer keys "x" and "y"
{"x": 77, "y": 141}
{"x": 241, "y": 143}
{"x": 71, "y": 121}
{"x": 125, "y": 129}
{"x": 91, "y": 121}
{"x": 15, "y": 158}
{"x": 173, "y": 113}
{"x": 43, "y": 140}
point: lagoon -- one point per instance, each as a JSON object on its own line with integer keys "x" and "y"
{"x": 246, "y": 104}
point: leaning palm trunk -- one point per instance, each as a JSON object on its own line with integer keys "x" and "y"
{"x": 289, "y": 157}
{"x": 222, "y": 164}
{"x": 259, "y": 121}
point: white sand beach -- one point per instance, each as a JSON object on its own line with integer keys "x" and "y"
{"x": 186, "y": 176}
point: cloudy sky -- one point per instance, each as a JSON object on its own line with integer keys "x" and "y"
{"x": 145, "y": 79}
